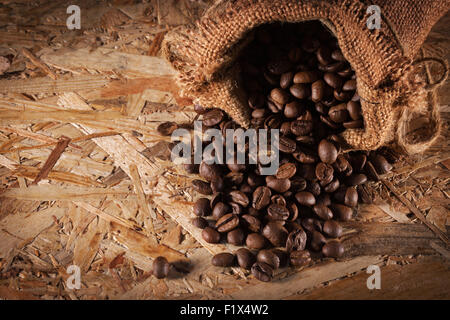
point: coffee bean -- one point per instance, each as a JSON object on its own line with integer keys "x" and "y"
{"x": 287, "y": 145}
{"x": 351, "y": 197}
{"x": 301, "y": 127}
{"x": 239, "y": 197}
{"x": 356, "y": 179}
{"x": 305, "y": 198}
{"x": 298, "y": 184}
{"x": 286, "y": 171}
{"x": 213, "y": 117}
{"x": 338, "y": 113}
{"x": 251, "y": 222}
{"x": 167, "y": 128}
{"x": 305, "y": 156}
{"x": 318, "y": 90}
{"x": 300, "y": 91}
{"x": 277, "y": 212}
{"x": 236, "y": 208}
{"x": 223, "y": 259}
{"x": 202, "y": 187}
{"x": 349, "y": 85}
{"x": 209, "y": 171}
{"x": 317, "y": 241}
{"x": 286, "y": 80}
{"x": 262, "y": 271}
{"x": 275, "y": 233}
{"x": 255, "y": 241}
{"x": 333, "y": 80}
{"x": 296, "y": 240}
{"x": 342, "y": 212}
{"x": 337, "y": 55}
{"x": 269, "y": 257}
{"x": 354, "y": 110}
{"x": 219, "y": 210}
{"x": 292, "y": 110}
{"x": 227, "y": 223}
{"x": 311, "y": 224}
{"x": 261, "y": 197}
{"x": 324, "y": 172}
{"x": 299, "y": 258}
{"x": 245, "y": 258}
{"x": 342, "y": 95}
{"x": 210, "y": 235}
{"x": 215, "y": 199}
{"x": 324, "y": 55}
{"x": 259, "y": 113}
{"x": 333, "y": 249}
{"x": 278, "y": 185}
{"x": 355, "y": 124}
{"x": 236, "y": 237}
{"x": 199, "y": 222}
{"x": 161, "y": 267}
{"x": 202, "y": 207}
{"x": 280, "y": 96}
{"x": 293, "y": 211}
{"x": 381, "y": 164}
{"x": 327, "y": 151}
{"x": 323, "y": 212}
{"x": 306, "y": 77}
{"x": 332, "y": 229}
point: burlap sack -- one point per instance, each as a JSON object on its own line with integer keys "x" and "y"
{"x": 383, "y": 59}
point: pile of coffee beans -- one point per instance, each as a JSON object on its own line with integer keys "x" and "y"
{"x": 296, "y": 80}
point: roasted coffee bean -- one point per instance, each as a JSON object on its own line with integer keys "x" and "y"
{"x": 292, "y": 110}
{"x": 279, "y": 96}
{"x": 296, "y": 240}
{"x": 255, "y": 241}
{"x": 381, "y": 164}
{"x": 337, "y": 55}
{"x": 261, "y": 197}
{"x": 342, "y": 95}
{"x": 223, "y": 259}
{"x": 349, "y": 85}
{"x": 332, "y": 229}
{"x": 202, "y": 207}
{"x": 293, "y": 211}
{"x": 355, "y": 124}
{"x": 329, "y": 122}
{"x": 305, "y": 198}
{"x": 317, "y": 241}
{"x": 354, "y": 110}
{"x": 262, "y": 271}
{"x": 356, "y": 179}
{"x": 220, "y": 209}
{"x": 161, "y": 267}
{"x": 306, "y": 77}
{"x": 278, "y": 185}
{"x": 276, "y": 233}
{"x": 259, "y": 113}
{"x": 342, "y": 212}
{"x": 215, "y": 199}
{"x": 333, "y": 249}
{"x": 323, "y": 212}
{"x": 239, "y": 197}
{"x": 279, "y": 67}
{"x": 351, "y": 197}
{"x": 333, "y": 80}
{"x": 327, "y": 151}
{"x": 314, "y": 188}
{"x": 167, "y": 128}
{"x": 202, "y": 187}
{"x": 245, "y": 258}
{"x": 217, "y": 185}
{"x": 209, "y": 171}
{"x": 227, "y": 223}
{"x": 323, "y": 199}
{"x": 285, "y": 128}
{"x": 272, "y": 122}
{"x": 278, "y": 199}
{"x": 371, "y": 172}
{"x": 269, "y": 257}
{"x": 298, "y": 184}
{"x": 199, "y": 222}
{"x": 277, "y": 212}
{"x": 210, "y": 235}
{"x": 324, "y": 172}
{"x": 236, "y": 208}
{"x": 213, "y": 117}
{"x": 311, "y": 224}
{"x": 300, "y": 91}
{"x": 287, "y": 145}
{"x": 236, "y": 237}
{"x": 252, "y": 223}
{"x": 339, "y": 113}
{"x": 318, "y": 90}
{"x": 286, "y": 171}
{"x": 324, "y": 55}
{"x": 299, "y": 258}
{"x": 286, "y": 80}
{"x": 301, "y": 128}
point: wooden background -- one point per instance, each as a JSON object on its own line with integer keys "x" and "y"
{"x": 86, "y": 181}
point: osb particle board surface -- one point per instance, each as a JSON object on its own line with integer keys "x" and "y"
{"x": 112, "y": 201}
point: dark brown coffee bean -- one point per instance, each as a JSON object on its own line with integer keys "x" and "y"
{"x": 259, "y": 113}
{"x": 202, "y": 187}
{"x": 273, "y": 122}
{"x": 277, "y": 212}
{"x": 280, "y": 96}
{"x": 286, "y": 80}
{"x": 342, "y": 95}
{"x": 199, "y": 222}
{"x": 324, "y": 55}
{"x": 287, "y": 145}
{"x": 356, "y": 179}
{"x": 351, "y": 197}
{"x": 278, "y": 199}
{"x": 354, "y": 110}
{"x": 329, "y": 122}
{"x": 245, "y": 258}
{"x": 301, "y": 127}
{"x": 252, "y": 223}
{"x": 285, "y": 128}
{"x": 381, "y": 164}
{"x": 323, "y": 199}
{"x": 202, "y": 207}
{"x": 278, "y": 185}
{"x": 213, "y": 117}
{"x": 219, "y": 210}
{"x": 209, "y": 171}
{"x": 236, "y": 237}
{"x": 333, "y": 67}
{"x": 318, "y": 90}
{"x": 227, "y": 223}
{"x": 342, "y": 212}
{"x": 239, "y": 197}
{"x": 333, "y": 80}
{"x": 306, "y": 77}
{"x": 339, "y": 113}
{"x": 296, "y": 240}
{"x": 298, "y": 184}
{"x": 300, "y": 91}
{"x": 337, "y": 55}
{"x": 333, "y": 249}
{"x": 314, "y": 188}
{"x": 323, "y": 212}
{"x": 279, "y": 67}
{"x": 167, "y": 128}
{"x": 305, "y": 156}
{"x": 224, "y": 259}
{"x": 317, "y": 241}
{"x": 293, "y": 109}
{"x": 299, "y": 258}
{"x": 276, "y": 233}
{"x": 269, "y": 257}
{"x": 305, "y": 198}
{"x": 327, "y": 151}
{"x": 332, "y": 229}
{"x": 210, "y": 235}
{"x": 286, "y": 171}
{"x": 161, "y": 267}
{"x": 255, "y": 241}
{"x": 311, "y": 224}
{"x": 236, "y": 208}
{"x": 324, "y": 172}
{"x": 349, "y": 85}
{"x": 355, "y": 124}
{"x": 307, "y": 140}
{"x": 217, "y": 185}
{"x": 261, "y": 197}
{"x": 371, "y": 172}
{"x": 215, "y": 199}
{"x": 262, "y": 271}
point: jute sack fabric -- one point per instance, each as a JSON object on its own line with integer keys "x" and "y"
{"x": 383, "y": 59}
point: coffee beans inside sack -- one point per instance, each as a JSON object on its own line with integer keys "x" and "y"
{"x": 296, "y": 81}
